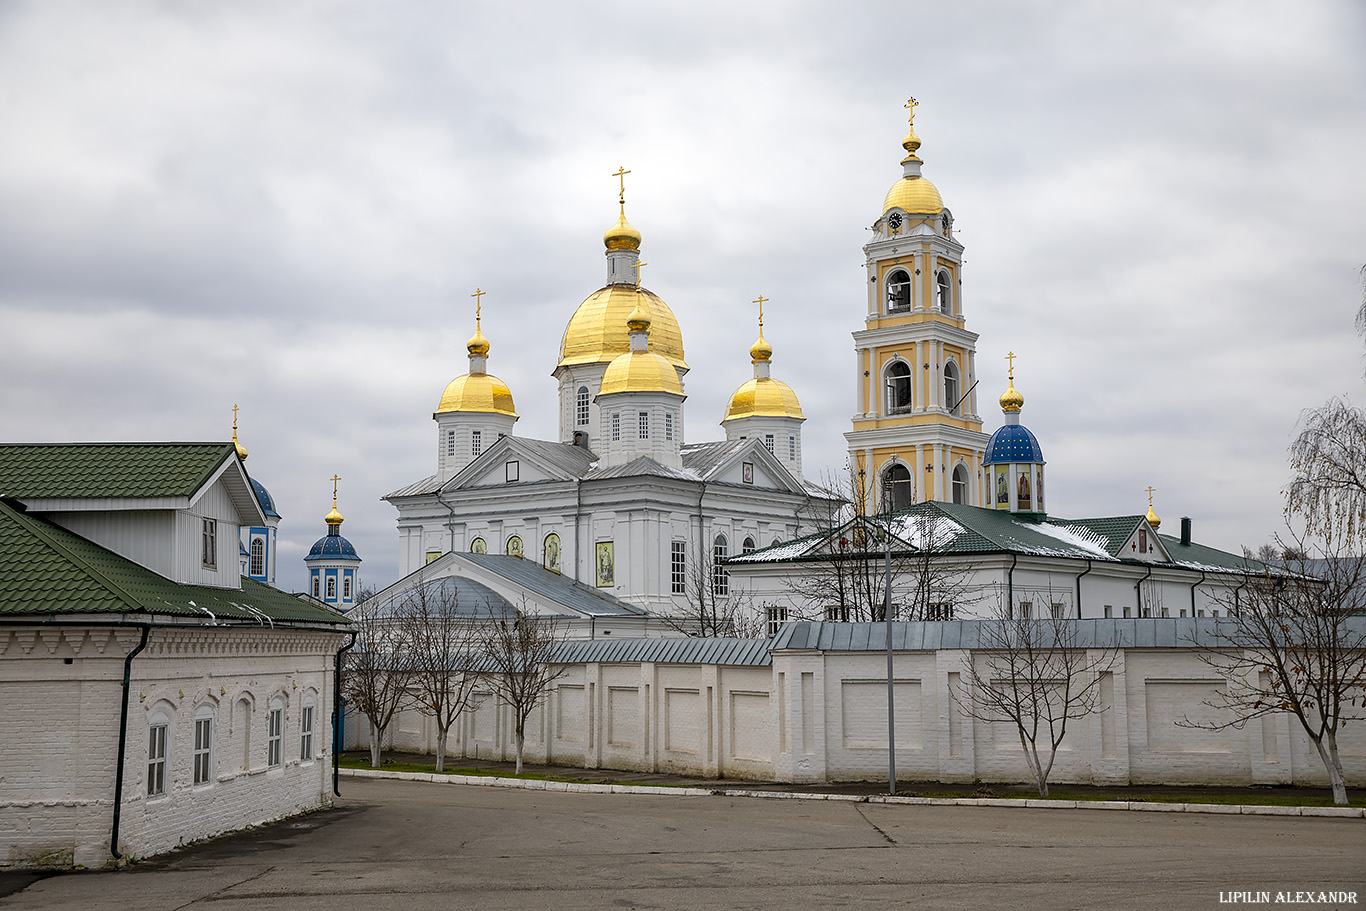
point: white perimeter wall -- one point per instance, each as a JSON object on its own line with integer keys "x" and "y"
{"x": 822, "y": 716}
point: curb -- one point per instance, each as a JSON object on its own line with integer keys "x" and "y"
{"x": 575, "y": 787}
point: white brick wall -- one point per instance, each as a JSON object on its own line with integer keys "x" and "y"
{"x": 59, "y": 752}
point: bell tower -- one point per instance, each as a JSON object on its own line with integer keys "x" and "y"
{"x": 916, "y": 433}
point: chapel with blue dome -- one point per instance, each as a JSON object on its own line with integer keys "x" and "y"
{"x": 256, "y": 546}
{"x": 333, "y": 562}
{"x": 1014, "y": 461}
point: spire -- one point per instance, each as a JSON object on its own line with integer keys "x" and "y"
{"x": 478, "y": 346}
{"x": 334, "y": 518}
{"x": 241, "y": 450}
{"x": 621, "y": 236}
{"x": 912, "y": 142}
{"x": 761, "y": 351}
{"x": 1152, "y": 517}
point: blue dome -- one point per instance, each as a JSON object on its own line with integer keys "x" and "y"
{"x": 1013, "y": 443}
{"x": 267, "y": 501}
{"x": 332, "y": 547}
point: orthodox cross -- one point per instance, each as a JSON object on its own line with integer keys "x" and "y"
{"x": 1150, "y": 495}
{"x": 911, "y": 106}
{"x": 1010, "y": 356}
{"x": 478, "y": 296}
{"x": 761, "y": 300}
{"x": 234, "y": 421}
{"x": 334, "y": 479}
{"x": 638, "y": 265}
{"x": 620, "y": 174}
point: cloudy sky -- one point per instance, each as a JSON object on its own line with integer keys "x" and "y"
{"x": 286, "y": 206}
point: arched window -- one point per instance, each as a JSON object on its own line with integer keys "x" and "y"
{"x": 951, "y": 392}
{"x": 960, "y": 484}
{"x": 898, "y": 290}
{"x": 943, "y": 292}
{"x": 306, "y": 713}
{"x": 550, "y": 552}
{"x": 946, "y": 223}
{"x": 720, "y": 579}
{"x": 275, "y": 734}
{"x": 748, "y": 546}
{"x": 156, "y": 754}
{"x": 897, "y": 379}
{"x": 203, "y": 745}
{"x": 581, "y": 407}
{"x": 258, "y": 557}
{"x": 896, "y": 486}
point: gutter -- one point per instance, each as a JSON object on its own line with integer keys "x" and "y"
{"x": 1193, "y": 588}
{"x": 1138, "y": 593}
{"x": 1010, "y": 586}
{"x": 450, "y": 521}
{"x": 339, "y": 718}
{"x": 123, "y": 739}
{"x": 578, "y": 520}
{"x": 1088, "y": 569}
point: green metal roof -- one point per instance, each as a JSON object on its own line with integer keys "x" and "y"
{"x": 47, "y": 570}
{"x": 108, "y": 470}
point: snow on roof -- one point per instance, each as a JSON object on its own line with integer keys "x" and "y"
{"x": 927, "y": 531}
{"x": 1079, "y": 537}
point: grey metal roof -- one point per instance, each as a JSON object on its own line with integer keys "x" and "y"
{"x": 576, "y": 596}
{"x": 705, "y": 457}
{"x": 728, "y": 652}
{"x": 472, "y": 599}
{"x": 642, "y": 466}
{"x": 573, "y": 461}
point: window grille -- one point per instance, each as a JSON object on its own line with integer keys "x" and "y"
{"x": 678, "y": 564}
{"x": 275, "y": 736}
{"x": 203, "y": 749}
{"x": 581, "y": 407}
{"x": 156, "y": 760}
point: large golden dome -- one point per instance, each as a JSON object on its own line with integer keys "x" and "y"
{"x": 597, "y": 331}
{"x": 915, "y": 196}
{"x": 477, "y": 392}
{"x": 640, "y": 371}
{"x": 764, "y": 397}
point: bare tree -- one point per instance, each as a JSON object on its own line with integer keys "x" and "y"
{"x": 716, "y": 606}
{"x": 1033, "y": 670}
{"x": 442, "y": 640}
{"x": 377, "y": 671}
{"x": 929, "y": 583}
{"x": 1290, "y": 643}
{"x": 518, "y": 652}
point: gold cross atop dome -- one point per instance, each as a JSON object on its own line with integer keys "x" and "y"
{"x": 638, "y": 265}
{"x": 1010, "y": 357}
{"x": 478, "y": 345}
{"x": 1011, "y": 400}
{"x": 1152, "y": 517}
{"x": 334, "y": 517}
{"x": 760, "y": 350}
{"x": 760, "y": 300}
{"x": 241, "y": 450}
{"x": 620, "y": 174}
{"x": 910, "y": 105}
{"x": 911, "y": 143}
{"x": 621, "y": 236}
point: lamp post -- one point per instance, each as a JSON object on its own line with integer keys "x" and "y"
{"x": 887, "y": 619}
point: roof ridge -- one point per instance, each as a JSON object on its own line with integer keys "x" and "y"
{"x": 39, "y": 528}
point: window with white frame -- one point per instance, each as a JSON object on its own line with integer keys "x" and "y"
{"x": 720, "y": 579}
{"x": 951, "y": 403}
{"x": 450, "y": 442}
{"x": 836, "y": 613}
{"x": 747, "y": 546}
{"x": 156, "y": 756}
{"x": 209, "y": 543}
{"x": 275, "y": 729}
{"x": 940, "y": 611}
{"x": 476, "y": 442}
{"x": 331, "y": 588}
{"x": 346, "y": 588}
{"x": 943, "y": 292}
{"x": 897, "y": 487}
{"x": 512, "y": 470}
{"x": 316, "y": 583}
{"x": 776, "y": 617}
{"x": 203, "y": 746}
{"x": 898, "y": 290}
{"x": 1058, "y": 610}
{"x": 768, "y": 442}
{"x": 306, "y": 731}
{"x": 960, "y": 484}
{"x": 1025, "y": 610}
{"x": 581, "y": 407}
{"x": 792, "y": 448}
{"x": 1127, "y": 612}
{"x": 258, "y": 557}
{"x": 668, "y": 425}
{"x": 678, "y": 565}
{"x": 1109, "y": 611}
{"x": 645, "y": 425}
{"x": 897, "y": 379}
{"x": 616, "y": 427}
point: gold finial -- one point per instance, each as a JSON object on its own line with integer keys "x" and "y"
{"x": 1011, "y": 400}
{"x": 760, "y": 350}
{"x": 334, "y": 517}
{"x": 911, "y": 143}
{"x": 620, "y": 174}
{"x": 478, "y": 345}
{"x": 638, "y": 265}
{"x": 241, "y": 450}
{"x": 1152, "y": 517}
{"x": 621, "y": 236}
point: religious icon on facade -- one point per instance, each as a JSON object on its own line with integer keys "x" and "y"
{"x": 1002, "y": 491}
{"x": 606, "y": 565}
{"x": 514, "y": 546}
{"x": 478, "y": 546}
{"x": 1022, "y": 494}
{"x": 1038, "y": 488}
{"x": 551, "y": 555}
{"x": 747, "y": 470}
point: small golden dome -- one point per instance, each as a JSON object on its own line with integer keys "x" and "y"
{"x": 597, "y": 331}
{"x": 1153, "y": 519}
{"x": 621, "y": 236}
{"x": 333, "y": 517}
{"x": 477, "y": 392}
{"x": 241, "y": 450}
{"x": 1011, "y": 399}
{"x": 640, "y": 371}
{"x": 760, "y": 350}
{"x": 764, "y": 397}
{"x": 915, "y": 196}
{"x": 477, "y": 345}
{"x": 638, "y": 320}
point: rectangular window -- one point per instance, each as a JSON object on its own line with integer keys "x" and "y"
{"x": 1200, "y": 612}
{"x": 1109, "y": 611}
{"x": 331, "y": 588}
{"x": 203, "y": 749}
{"x": 678, "y": 566}
{"x": 156, "y": 760}
{"x": 1126, "y": 612}
{"x": 768, "y": 442}
{"x": 450, "y": 442}
{"x": 258, "y": 556}
{"x": 476, "y": 442}
{"x": 1214, "y": 613}
{"x": 581, "y": 406}
{"x": 316, "y": 583}
{"x": 616, "y": 427}
{"x": 274, "y": 736}
{"x": 209, "y": 540}
{"x": 645, "y": 425}
{"x": 306, "y": 734}
{"x": 776, "y": 617}
{"x": 1026, "y": 610}
{"x": 668, "y": 425}
{"x": 836, "y": 613}
{"x": 941, "y": 611}
{"x": 346, "y": 588}
{"x": 512, "y": 471}
{"x": 792, "y": 449}
{"x": 1058, "y": 611}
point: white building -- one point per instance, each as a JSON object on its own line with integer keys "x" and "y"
{"x": 153, "y": 695}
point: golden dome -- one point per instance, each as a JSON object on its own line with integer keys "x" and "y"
{"x": 333, "y": 517}
{"x": 640, "y": 371}
{"x": 760, "y": 350}
{"x": 638, "y": 320}
{"x": 764, "y": 397}
{"x": 597, "y": 331}
{"x": 1011, "y": 399}
{"x": 477, "y": 392}
{"x": 477, "y": 345}
{"x": 1153, "y": 520}
{"x": 621, "y": 236}
{"x": 915, "y": 196}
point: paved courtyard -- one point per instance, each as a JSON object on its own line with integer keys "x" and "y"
{"x": 397, "y": 844}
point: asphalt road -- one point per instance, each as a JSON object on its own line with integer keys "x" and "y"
{"x": 395, "y": 844}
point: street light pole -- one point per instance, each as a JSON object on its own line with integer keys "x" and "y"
{"x": 887, "y": 619}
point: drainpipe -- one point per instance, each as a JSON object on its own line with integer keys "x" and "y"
{"x": 339, "y": 718}
{"x": 702, "y": 554}
{"x": 578, "y": 509}
{"x": 1010, "y": 587}
{"x": 450, "y": 521}
{"x": 1138, "y": 590}
{"x": 123, "y": 738}
{"x": 1088, "y": 569}
{"x": 1193, "y": 588}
